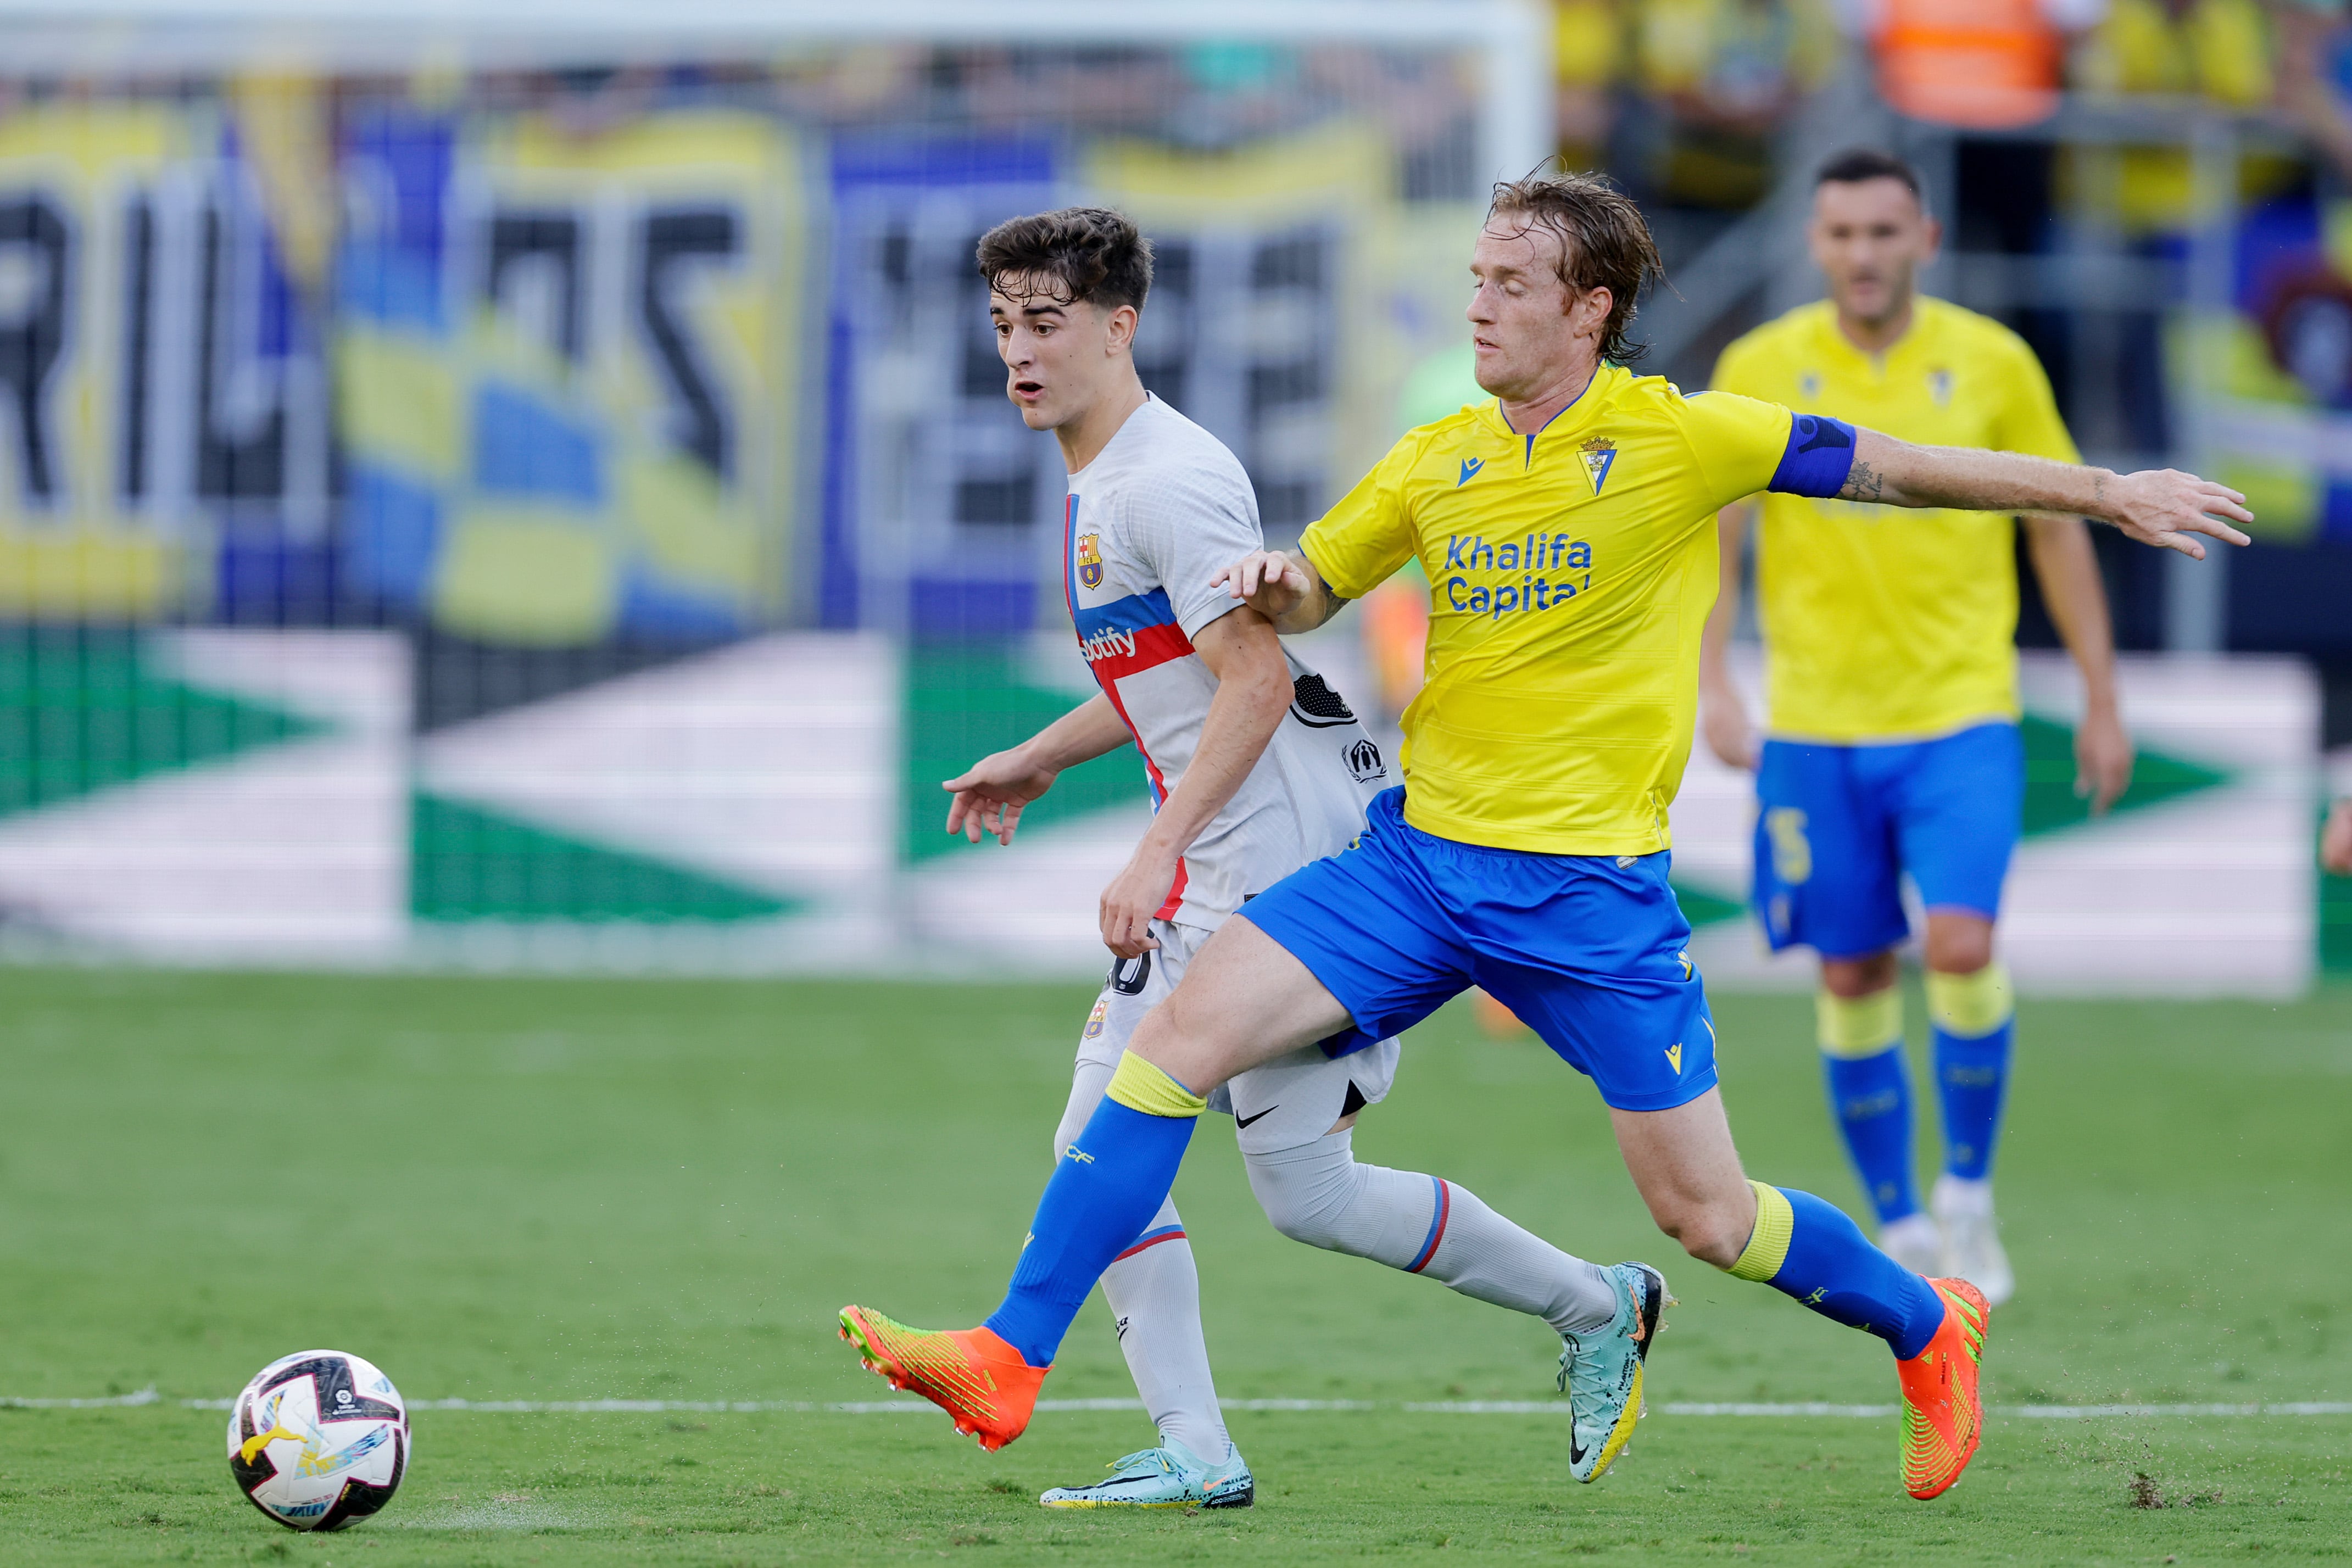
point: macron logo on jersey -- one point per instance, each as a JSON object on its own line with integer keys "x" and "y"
{"x": 1470, "y": 466}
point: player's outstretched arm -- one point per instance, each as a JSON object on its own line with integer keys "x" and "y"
{"x": 989, "y": 797}
{"x": 1254, "y": 691}
{"x": 2160, "y": 507}
{"x": 1283, "y": 586}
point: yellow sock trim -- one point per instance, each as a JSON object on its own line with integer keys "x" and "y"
{"x": 1970, "y": 1005}
{"x": 1856, "y": 1027}
{"x": 1139, "y": 1086}
{"x": 1768, "y": 1247}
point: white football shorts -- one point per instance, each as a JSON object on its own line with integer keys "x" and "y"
{"x": 1290, "y": 1101}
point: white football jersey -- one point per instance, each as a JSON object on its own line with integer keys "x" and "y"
{"x": 1161, "y": 509}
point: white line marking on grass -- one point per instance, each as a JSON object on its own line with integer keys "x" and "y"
{"x": 1814, "y": 1409}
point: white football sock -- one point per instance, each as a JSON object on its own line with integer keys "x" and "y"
{"x": 1154, "y": 1292}
{"x": 1320, "y": 1194}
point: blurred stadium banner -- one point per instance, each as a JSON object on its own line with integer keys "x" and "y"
{"x": 531, "y": 486}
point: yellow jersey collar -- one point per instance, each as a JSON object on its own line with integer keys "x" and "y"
{"x": 1579, "y": 412}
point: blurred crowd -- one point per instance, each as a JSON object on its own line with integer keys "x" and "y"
{"x": 1682, "y": 97}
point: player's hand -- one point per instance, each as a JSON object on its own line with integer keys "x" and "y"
{"x": 2163, "y": 506}
{"x": 1268, "y": 581}
{"x": 2103, "y": 760}
{"x": 2336, "y": 839}
{"x": 1133, "y": 897}
{"x": 1728, "y": 734}
{"x": 990, "y": 797}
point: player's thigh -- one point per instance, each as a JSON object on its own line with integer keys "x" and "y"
{"x": 1958, "y": 810}
{"x": 1242, "y": 1001}
{"x": 1827, "y": 876}
{"x": 1303, "y": 1094}
{"x": 1600, "y": 970}
{"x": 1373, "y": 924}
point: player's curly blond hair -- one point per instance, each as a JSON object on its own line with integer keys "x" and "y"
{"x": 1604, "y": 243}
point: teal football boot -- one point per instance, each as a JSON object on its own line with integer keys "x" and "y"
{"x": 1173, "y": 1476}
{"x": 1600, "y": 1371}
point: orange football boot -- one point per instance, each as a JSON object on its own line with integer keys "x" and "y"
{"x": 1942, "y": 1417}
{"x": 970, "y": 1374}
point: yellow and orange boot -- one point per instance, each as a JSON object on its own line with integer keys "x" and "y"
{"x": 970, "y": 1374}
{"x": 1942, "y": 1416}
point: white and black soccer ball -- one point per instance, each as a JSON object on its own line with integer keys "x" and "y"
{"x": 318, "y": 1440}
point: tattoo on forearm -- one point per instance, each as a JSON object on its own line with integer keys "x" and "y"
{"x": 1863, "y": 483}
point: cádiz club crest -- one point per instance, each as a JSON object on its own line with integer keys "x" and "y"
{"x": 1090, "y": 561}
{"x": 1600, "y": 454}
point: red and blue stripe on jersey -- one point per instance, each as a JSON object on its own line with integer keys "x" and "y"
{"x": 1125, "y": 637}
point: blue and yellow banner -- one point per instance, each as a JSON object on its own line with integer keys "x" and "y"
{"x": 565, "y": 390}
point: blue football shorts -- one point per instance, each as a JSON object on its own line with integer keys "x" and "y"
{"x": 1588, "y": 950}
{"x": 1837, "y": 826}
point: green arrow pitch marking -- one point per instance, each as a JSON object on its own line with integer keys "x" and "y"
{"x": 965, "y": 700}
{"x": 80, "y": 711}
{"x": 2050, "y": 803}
{"x": 469, "y": 863}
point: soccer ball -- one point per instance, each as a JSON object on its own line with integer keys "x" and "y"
{"x": 318, "y": 1439}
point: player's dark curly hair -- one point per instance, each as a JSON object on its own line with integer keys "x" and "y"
{"x": 1857, "y": 164}
{"x": 1077, "y": 254}
{"x": 1604, "y": 243}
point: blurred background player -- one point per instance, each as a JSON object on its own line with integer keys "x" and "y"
{"x": 1891, "y": 690}
{"x": 1201, "y": 686}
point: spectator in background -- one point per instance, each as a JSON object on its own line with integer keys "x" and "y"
{"x": 1726, "y": 72}
{"x": 2336, "y": 839}
{"x": 2316, "y": 75}
{"x": 2217, "y": 50}
{"x": 1986, "y": 64}
{"x": 1587, "y": 53}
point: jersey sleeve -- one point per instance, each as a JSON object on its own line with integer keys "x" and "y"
{"x": 1362, "y": 541}
{"x": 1186, "y": 530}
{"x": 2028, "y": 421}
{"x": 1739, "y": 443}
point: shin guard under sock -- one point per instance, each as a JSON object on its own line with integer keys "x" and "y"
{"x": 1104, "y": 1193}
{"x": 1870, "y": 1095}
{"x": 1809, "y": 1250}
{"x": 1975, "y": 1024}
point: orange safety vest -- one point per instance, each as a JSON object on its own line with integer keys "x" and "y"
{"x": 1986, "y": 63}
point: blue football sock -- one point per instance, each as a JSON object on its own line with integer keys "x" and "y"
{"x": 1870, "y": 1094}
{"x": 1975, "y": 1024}
{"x": 1109, "y": 1184}
{"x": 1872, "y": 1098}
{"x": 1809, "y": 1250}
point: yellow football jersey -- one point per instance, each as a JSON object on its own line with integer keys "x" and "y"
{"x": 1571, "y": 573}
{"x": 1881, "y": 623}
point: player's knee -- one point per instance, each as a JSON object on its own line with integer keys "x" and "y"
{"x": 1851, "y": 977}
{"x": 1306, "y": 1192}
{"x": 1958, "y": 946}
{"x": 1712, "y": 1233}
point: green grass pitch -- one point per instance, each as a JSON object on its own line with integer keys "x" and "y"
{"x": 575, "y": 1189}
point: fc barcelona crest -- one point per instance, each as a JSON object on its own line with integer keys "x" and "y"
{"x": 1090, "y": 561}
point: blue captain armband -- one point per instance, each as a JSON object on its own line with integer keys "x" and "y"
{"x": 1819, "y": 457}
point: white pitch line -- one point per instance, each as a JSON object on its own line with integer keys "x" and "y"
{"x": 1419, "y": 1407}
